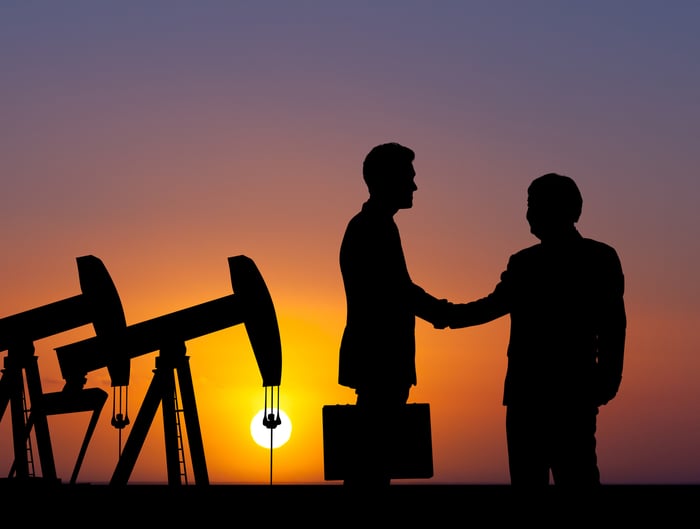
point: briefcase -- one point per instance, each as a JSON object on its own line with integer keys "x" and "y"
{"x": 411, "y": 458}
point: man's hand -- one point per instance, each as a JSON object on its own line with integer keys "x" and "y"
{"x": 443, "y": 314}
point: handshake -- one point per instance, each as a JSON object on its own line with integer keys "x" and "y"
{"x": 443, "y": 314}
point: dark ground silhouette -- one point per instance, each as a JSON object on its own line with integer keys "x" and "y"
{"x": 86, "y": 505}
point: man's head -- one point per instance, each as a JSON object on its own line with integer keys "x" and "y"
{"x": 553, "y": 205}
{"x": 389, "y": 174}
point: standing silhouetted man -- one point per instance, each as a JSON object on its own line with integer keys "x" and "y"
{"x": 377, "y": 350}
{"x": 567, "y": 338}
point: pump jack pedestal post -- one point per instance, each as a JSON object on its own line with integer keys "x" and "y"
{"x": 162, "y": 391}
{"x": 20, "y": 362}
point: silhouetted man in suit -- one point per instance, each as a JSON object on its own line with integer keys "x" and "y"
{"x": 567, "y": 338}
{"x": 377, "y": 351}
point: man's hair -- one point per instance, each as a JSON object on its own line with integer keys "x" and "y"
{"x": 382, "y": 160}
{"x": 560, "y": 193}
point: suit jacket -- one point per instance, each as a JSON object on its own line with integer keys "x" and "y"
{"x": 567, "y": 322}
{"x": 378, "y": 344}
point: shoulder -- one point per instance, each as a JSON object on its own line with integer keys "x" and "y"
{"x": 531, "y": 252}
{"x": 357, "y": 220}
{"x": 598, "y": 248}
{"x": 360, "y": 224}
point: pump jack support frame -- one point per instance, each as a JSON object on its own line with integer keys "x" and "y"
{"x": 172, "y": 360}
{"x": 21, "y": 362}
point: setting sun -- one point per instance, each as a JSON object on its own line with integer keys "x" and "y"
{"x": 272, "y": 436}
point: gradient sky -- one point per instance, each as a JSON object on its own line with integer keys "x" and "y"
{"x": 165, "y": 136}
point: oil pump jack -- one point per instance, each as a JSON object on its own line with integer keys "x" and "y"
{"x": 99, "y": 305}
{"x": 250, "y": 304}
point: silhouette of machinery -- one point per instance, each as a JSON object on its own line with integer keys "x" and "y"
{"x": 250, "y": 304}
{"x": 99, "y": 305}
